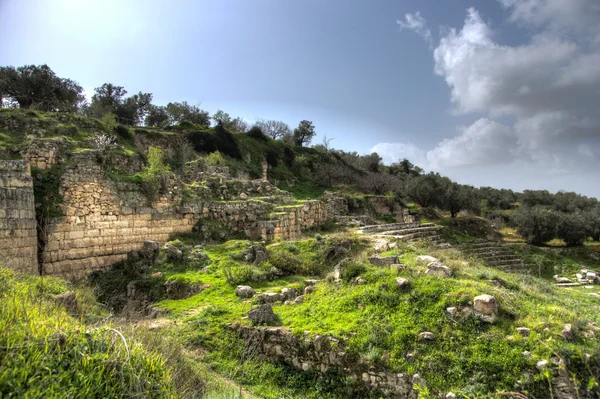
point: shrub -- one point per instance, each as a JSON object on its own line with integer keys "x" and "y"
{"x": 155, "y": 175}
{"x": 572, "y": 228}
{"x": 257, "y": 133}
{"x": 352, "y": 269}
{"x": 288, "y": 156}
{"x": 537, "y": 224}
{"x": 124, "y": 132}
{"x": 203, "y": 141}
{"x": 272, "y": 158}
{"x": 226, "y": 142}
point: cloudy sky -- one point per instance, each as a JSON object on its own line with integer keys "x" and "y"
{"x": 502, "y": 93}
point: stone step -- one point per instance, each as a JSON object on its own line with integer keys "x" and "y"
{"x": 496, "y": 247}
{"x": 482, "y": 245}
{"x": 410, "y": 231}
{"x": 492, "y": 257}
{"x": 501, "y": 263}
{"x": 393, "y": 226}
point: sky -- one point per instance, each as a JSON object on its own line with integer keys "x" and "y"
{"x": 500, "y": 93}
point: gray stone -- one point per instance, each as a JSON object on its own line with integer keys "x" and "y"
{"x": 299, "y": 299}
{"x": 311, "y": 282}
{"x": 527, "y": 354}
{"x": 561, "y": 280}
{"x": 359, "y": 281}
{"x": 380, "y": 245}
{"x": 271, "y": 297}
{"x": 450, "y": 395}
{"x": 173, "y": 253}
{"x": 388, "y": 260}
{"x": 68, "y": 300}
{"x": 524, "y": 331}
{"x": 180, "y": 289}
{"x": 288, "y": 293}
{"x": 309, "y": 289}
{"x": 426, "y": 259}
{"x": 438, "y": 270}
{"x": 244, "y": 291}
{"x": 150, "y": 250}
{"x": 451, "y": 311}
{"x": 402, "y": 282}
{"x": 591, "y": 276}
{"x": 262, "y": 314}
{"x": 426, "y": 336}
{"x": 542, "y": 365}
{"x": 487, "y": 306}
{"x": 567, "y": 332}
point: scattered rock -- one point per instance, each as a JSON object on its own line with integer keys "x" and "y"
{"x": 243, "y": 196}
{"x": 591, "y": 276}
{"x": 426, "y": 259}
{"x": 527, "y": 354}
{"x": 68, "y": 300}
{"x": 180, "y": 289}
{"x": 288, "y": 293}
{"x": 173, "y": 253}
{"x": 418, "y": 381}
{"x": 244, "y": 291}
{"x": 271, "y": 297}
{"x": 561, "y": 280}
{"x": 387, "y": 260}
{"x": 426, "y": 336}
{"x": 487, "y": 306}
{"x": 380, "y": 245}
{"x": 256, "y": 254}
{"x": 567, "y": 332}
{"x": 450, "y": 395}
{"x": 358, "y": 280}
{"x": 402, "y": 282}
{"x": 309, "y": 289}
{"x": 542, "y": 365}
{"x": 438, "y": 270}
{"x": 262, "y": 314}
{"x": 524, "y": 331}
{"x": 397, "y": 267}
{"x": 299, "y": 299}
{"x": 451, "y": 311}
{"x": 150, "y": 250}
{"x": 311, "y": 282}
{"x": 156, "y": 275}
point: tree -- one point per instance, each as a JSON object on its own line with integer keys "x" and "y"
{"x": 157, "y": 116}
{"x": 426, "y": 190}
{"x": 457, "y": 197}
{"x": 304, "y": 133}
{"x": 537, "y": 223}
{"x": 371, "y": 162}
{"x": 239, "y": 125}
{"x": 573, "y": 228}
{"x": 38, "y": 87}
{"x": 110, "y": 98}
{"x": 184, "y": 112}
{"x": 274, "y": 129}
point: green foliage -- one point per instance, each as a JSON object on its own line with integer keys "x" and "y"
{"x": 47, "y": 353}
{"x": 155, "y": 175}
{"x": 573, "y": 228}
{"x": 109, "y": 121}
{"x": 110, "y": 98}
{"x": 304, "y": 133}
{"x": 124, "y": 133}
{"x": 38, "y": 87}
{"x": 256, "y": 133}
{"x": 46, "y": 193}
{"x": 352, "y": 269}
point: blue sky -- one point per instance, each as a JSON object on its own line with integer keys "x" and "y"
{"x": 364, "y": 72}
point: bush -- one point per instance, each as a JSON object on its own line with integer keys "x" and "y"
{"x": 124, "y": 133}
{"x": 573, "y": 228}
{"x": 288, "y": 156}
{"x": 226, "y": 142}
{"x": 537, "y": 224}
{"x": 272, "y": 158}
{"x": 352, "y": 269}
{"x": 257, "y": 133}
{"x": 203, "y": 141}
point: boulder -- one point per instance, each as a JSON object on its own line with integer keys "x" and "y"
{"x": 150, "y": 250}
{"x": 244, "y": 291}
{"x": 256, "y": 254}
{"x": 451, "y": 311}
{"x": 358, "y": 280}
{"x": 380, "y": 245}
{"x": 309, "y": 289}
{"x": 567, "y": 332}
{"x": 438, "y": 270}
{"x": 271, "y": 297}
{"x": 487, "y": 306}
{"x": 426, "y": 259}
{"x": 262, "y": 314}
{"x": 299, "y": 299}
{"x": 311, "y": 282}
{"x": 68, "y": 300}
{"x": 402, "y": 282}
{"x": 173, "y": 253}
{"x": 524, "y": 331}
{"x": 542, "y": 365}
{"x": 561, "y": 280}
{"x": 288, "y": 293}
{"x": 426, "y": 336}
{"x": 591, "y": 276}
{"x": 383, "y": 261}
{"x": 180, "y": 289}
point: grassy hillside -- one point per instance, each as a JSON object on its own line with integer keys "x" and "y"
{"x": 381, "y": 323}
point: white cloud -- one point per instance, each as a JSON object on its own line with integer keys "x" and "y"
{"x": 394, "y": 152}
{"x": 417, "y": 24}
{"x": 485, "y": 142}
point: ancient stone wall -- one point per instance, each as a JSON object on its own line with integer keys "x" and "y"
{"x": 325, "y": 354}
{"x": 18, "y": 232}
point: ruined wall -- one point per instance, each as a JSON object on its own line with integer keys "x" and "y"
{"x": 18, "y": 234}
{"x": 325, "y": 354}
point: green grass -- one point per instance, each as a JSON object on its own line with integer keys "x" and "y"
{"x": 304, "y": 190}
{"x": 47, "y": 353}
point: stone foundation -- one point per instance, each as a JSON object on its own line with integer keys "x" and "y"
{"x": 325, "y": 354}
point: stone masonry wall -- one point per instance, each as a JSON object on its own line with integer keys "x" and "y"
{"x": 322, "y": 354}
{"x": 18, "y": 232}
